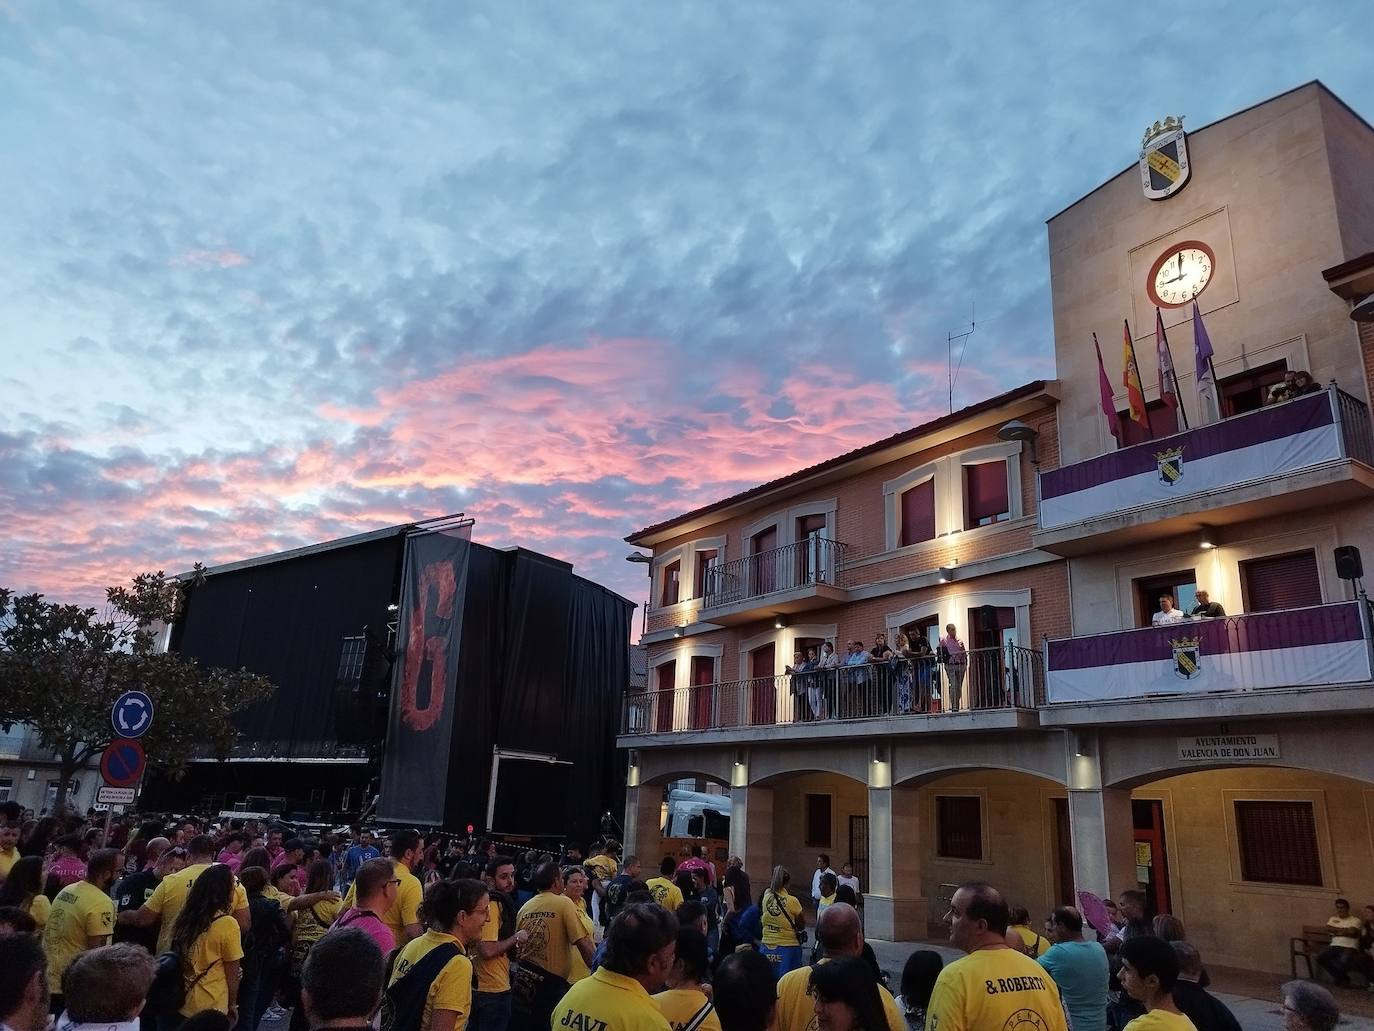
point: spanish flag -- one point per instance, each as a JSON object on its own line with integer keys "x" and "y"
{"x": 1135, "y": 396}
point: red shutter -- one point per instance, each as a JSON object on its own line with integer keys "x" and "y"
{"x": 663, "y": 699}
{"x": 672, "y": 573}
{"x": 918, "y": 513}
{"x": 986, "y": 491}
{"x": 1282, "y": 582}
{"x": 1278, "y": 843}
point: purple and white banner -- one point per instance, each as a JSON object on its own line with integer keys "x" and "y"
{"x": 1255, "y": 446}
{"x": 1307, "y": 647}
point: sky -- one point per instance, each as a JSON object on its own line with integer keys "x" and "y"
{"x": 275, "y": 273}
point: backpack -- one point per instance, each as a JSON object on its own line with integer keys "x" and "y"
{"x": 169, "y": 989}
{"x": 403, "y": 1004}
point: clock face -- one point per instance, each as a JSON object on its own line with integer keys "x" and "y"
{"x": 1180, "y": 274}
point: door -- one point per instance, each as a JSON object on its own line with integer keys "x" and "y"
{"x": 858, "y": 849}
{"x": 763, "y": 558}
{"x": 1064, "y": 853}
{"x": 1151, "y": 858}
{"x": 992, "y": 628}
{"x": 811, "y": 561}
{"x": 664, "y": 680}
{"x": 703, "y": 676}
{"x": 763, "y": 695}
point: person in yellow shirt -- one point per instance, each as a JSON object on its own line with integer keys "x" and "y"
{"x": 210, "y": 944}
{"x": 1149, "y": 968}
{"x": 433, "y": 975}
{"x": 601, "y": 870}
{"x": 554, "y": 926}
{"x": 170, "y": 896}
{"x": 402, "y": 917}
{"x": 1026, "y": 940}
{"x": 491, "y": 1001}
{"x": 23, "y": 890}
{"x": 782, "y": 924}
{"x": 82, "y": 918}
{"x": 840, "y": 934}
{"x": 641, "y": 947}
{"x": 575, "y": 887}
{"x": 844, "y": 996}
{"x": 665, "y": 892}
{"x": 9, "y": 849}
{"x": 684, "y": 1002}
{"x": 315, "y": 917}
{"x": 993, "y": 986}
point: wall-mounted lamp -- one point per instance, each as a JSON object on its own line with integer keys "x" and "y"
{"x": 679, "y": 631}
{"x": 946, "y": 574}
{"x": 1209, "y": 538}
{"x": 1364, "y": 311}
{"x": 1080, "y": 744}
{"x": 1018, "y": 430}
{"x": 635, "y": 556}
{"x": 779, "y": 622}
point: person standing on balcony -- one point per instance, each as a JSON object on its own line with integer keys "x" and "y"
{"x": 954, "y": 656}
{"x": 904, "y": 659}
{"x": 1206, "y": 608}
{"x": 1167, "y": 613}
{"x": 854, "y": 680}
{"x": 827, "y": 666}
{"x": 802, "y": 683}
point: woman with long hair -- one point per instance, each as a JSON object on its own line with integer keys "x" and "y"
{"x": 683, "y": 1000}
{"x": 846, "y": 996}
{"x": 575, "y": 887}
{"x": 208, "y": 941}
{"x": 918, "y": 980}
{"x": 23, "y": 889}
{"x": 37, "y": 840}
{"x": 312, "y": 919}
{"x": 783, "y": 924}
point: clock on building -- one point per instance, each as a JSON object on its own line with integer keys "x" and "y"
{"x": 1180, "y": 274}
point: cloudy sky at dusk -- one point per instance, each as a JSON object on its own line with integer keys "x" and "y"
{"x": 275, "y": 273}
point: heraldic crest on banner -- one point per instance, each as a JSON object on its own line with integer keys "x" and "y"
{"x": 1187, "y": 657}
{"x": 1170, "y": 462}
{"x": 1164, "y": 166}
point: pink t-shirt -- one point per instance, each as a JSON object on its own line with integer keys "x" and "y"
{"x": 369, "y": 922}
{"x": 231, "y": 859}
{"x": 67, "y": 869}
{"x": 955, "y": 647}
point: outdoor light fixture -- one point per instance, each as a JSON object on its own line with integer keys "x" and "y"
{"x": 679, "y": 631}
{"x": 779, "y": 622}
{"x": 1364, "y": 311}
{"x": 1209, "y": 538}
{"x": 946, "y": 574}
{"x": 635, "y": 556}
{"x": 1080, "y": 746}
{"x": 1018, "y": 430}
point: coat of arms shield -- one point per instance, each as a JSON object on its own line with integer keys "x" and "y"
{"x": 1170, "y": 462}
{"x": 1187, "y": 657}
{"x": 1164, "y": 168}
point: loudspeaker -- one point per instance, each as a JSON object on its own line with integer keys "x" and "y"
{"x": 987, "y": 617}
{"x": 1348, "y": 564}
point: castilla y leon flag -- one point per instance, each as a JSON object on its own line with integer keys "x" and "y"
{"x": 1135, "y": 395}
{"x": 1104, "y": 389}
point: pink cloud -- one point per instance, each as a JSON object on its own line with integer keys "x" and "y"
{"x": 201, "y": 258}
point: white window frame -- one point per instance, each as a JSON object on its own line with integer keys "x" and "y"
{"x": 683, "y": 655}
{"x": 695, "y": 549}
{"x": 687, "y": 554}
{"x": 785, "y": 522}
{"x": 951, "y": 507}
{"x": 954, "y": 608}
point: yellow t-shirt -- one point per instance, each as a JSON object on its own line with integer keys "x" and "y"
{"x": 681, "y": 1005}
{"x": 1159, "y": 1020}
{"x": 603, "y": 866}
{"x": 777, "y": 924}
{"x": 404, "y": 909}
{"x": 39, "y": 908}
{"x": 170, "y": 896}
{"x": 995, "y": 988}
{"x": 797, "y": 1006}
{"x": 451, "y": 990}
{"x": 554, "y": 926}
{"x": 607, "y": 1001}
{"x": 493, "y": 975}
{"x": 221, "y": 944}
{"x": 80, "y": 912}
{"x": 1036, "y": 945}
{"x": 577, "y": 966}
{"x": 8, "y": 857}
{"x": 665, "y": 893}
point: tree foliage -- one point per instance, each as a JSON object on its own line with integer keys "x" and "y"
{"x": 62, "y": 667}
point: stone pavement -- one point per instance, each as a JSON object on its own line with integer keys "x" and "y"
{"x": 1259, "y": 1011}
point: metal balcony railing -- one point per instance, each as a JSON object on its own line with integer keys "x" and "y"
{"x": 815, "y": 560}
{"x": 991, "y": 678}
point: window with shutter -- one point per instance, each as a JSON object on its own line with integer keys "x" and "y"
{"x": 706, "y": 560}
{"x": 1278, "y": 843}
{"x": 665, "y": 679}
{"x": 959, "y": 826}
{"x": 1281, "y": 582}
{"x": 672, "y": 574}
{"x": 817, "y": 821}
{"x": 918, "y": 513}
{"x": 985, "y": 494}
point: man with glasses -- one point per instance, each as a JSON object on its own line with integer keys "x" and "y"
{"x": 993, "y": 986}
{"x": 375, "y": 888}
{"x": 164, "y": 858}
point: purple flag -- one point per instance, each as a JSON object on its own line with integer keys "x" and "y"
{"x": 1202, "y": 348}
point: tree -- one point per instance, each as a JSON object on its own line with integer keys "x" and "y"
{"x": 62, "y": 667}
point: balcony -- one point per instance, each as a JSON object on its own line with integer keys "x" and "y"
{"x": 998, "y": 688}
{"x": 793, "y": 578}
{"x": 1312, "y": 451}
{"x": 1244, "y": 665}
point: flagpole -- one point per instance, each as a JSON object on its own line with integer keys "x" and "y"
{"x": 1149, "y": 425}
{"x": 1162, "y": 337}
{"x": 1178, "y": 391}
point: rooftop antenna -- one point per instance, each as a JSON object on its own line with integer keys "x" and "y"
{"x": 952, "y": 370}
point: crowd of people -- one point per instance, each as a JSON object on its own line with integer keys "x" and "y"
{"x": 206, "y": 928}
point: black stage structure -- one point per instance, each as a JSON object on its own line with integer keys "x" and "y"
{"x": 412, "y": 663}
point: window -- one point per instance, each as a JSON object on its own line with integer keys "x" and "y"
{"x": 672, "y": 574}
{"x": 706, "y": 561}
{"x": 1163, "y": 420}
{"x": 6, "y": 788}
{"x": 351, "y": 658}
{"x": 50, "y": 799}
{"x": 959, "y": 826}
{"x": 1246, "y": 391}
{"x": 817, "y": 808}
{"x": 985, "y": 494}
{"x": 918, "y": 512}
{"x": 1182, "y": 586}
{"x": 665, "y": 679}
{"x": 1281, "y": 582}
{"x": 1278, "y": 843}
{"x": 929, "y": 628}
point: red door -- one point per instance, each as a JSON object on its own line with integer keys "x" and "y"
{"x": 703, "y": 676}
{"x": 763, "y": 558}
{"x": 763, "y": 698}
{"x": 663, "y": 697}
{"x": 987, "y": 675}
{"x": 1151, "y": 854}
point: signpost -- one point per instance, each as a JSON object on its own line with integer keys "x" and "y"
{"x": 123, "y": 762}
{"x": 132, "y": 714}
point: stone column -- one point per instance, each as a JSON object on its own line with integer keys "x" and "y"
{"x": 751, "y": 832}
{"x": 1100, "y": 824}
{"x": 894, "y": 908}
{"x": 643, "y": 824}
